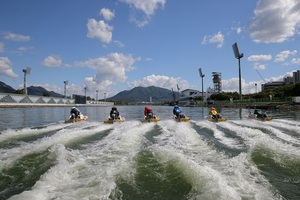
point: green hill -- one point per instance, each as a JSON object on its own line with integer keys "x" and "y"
{"x": 32, "y": 90}
{"x": 143, "y": 94}
{"x": 6, "y": 88}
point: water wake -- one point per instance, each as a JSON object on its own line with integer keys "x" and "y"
{"x": 240, "y": 159}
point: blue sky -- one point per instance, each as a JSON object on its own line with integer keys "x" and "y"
{"x": 115, "y": 45}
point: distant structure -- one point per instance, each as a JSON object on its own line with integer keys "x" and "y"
{"x": 79, "y": 99}
{"x": 217, "y": 80}
{"x": 286, "y": 81}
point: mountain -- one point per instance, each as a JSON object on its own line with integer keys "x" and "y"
{"x": 135, "y": 95}
{"x": 6, "y": 88}
{"x": 32, "y": 90}
{"x": 40, "y": 91}
{"x": 143, "y": 94}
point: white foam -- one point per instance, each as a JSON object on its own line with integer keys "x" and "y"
{"x": 90, "y": 173}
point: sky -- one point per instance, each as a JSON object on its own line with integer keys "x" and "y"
{"x": 103, "y": 47}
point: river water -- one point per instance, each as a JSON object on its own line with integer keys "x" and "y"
{"x": 42, "y": 158}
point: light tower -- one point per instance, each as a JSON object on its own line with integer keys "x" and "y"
{"x": 65, "y": 91}
{"x": 26, "y": 71}
{"x": 238, "y": 56}
{"x": 217, "y": 77}
{"x": 201, "y": 76}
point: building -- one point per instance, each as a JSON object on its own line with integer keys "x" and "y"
{"x": 296, "y": 77}
{"x": 286, "y": 81}
{"x": 271, "y": 85}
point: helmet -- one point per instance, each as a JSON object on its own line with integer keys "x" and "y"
{"x": 212, "y": 108}
{"x": 175, "y": 106}
{"x": 114, "y": 108}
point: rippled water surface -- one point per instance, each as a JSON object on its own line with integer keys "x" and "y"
{"x": 43, "y": 158}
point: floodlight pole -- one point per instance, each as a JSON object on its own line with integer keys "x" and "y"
{"x": 25, "y": 87}
{"x": 65, "y": 91}
{"x": 97, "y": 95}
{"x": 240, "y": 82}
{"x": 238, "y": 56}
{"x": 202, "y": 76}
{"x": 85, "y": 88}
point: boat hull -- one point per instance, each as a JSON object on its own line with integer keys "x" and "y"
{"x": 156, "y": 119}
{"x": 77, "y": 119}
{"x": 259, "y": 119}
{"x": 218, "y": 120}
{"x": 111, "y": 121}
{"x": 184, "y": 119}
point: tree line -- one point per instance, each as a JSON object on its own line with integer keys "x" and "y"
{"x": 277, "y": 92}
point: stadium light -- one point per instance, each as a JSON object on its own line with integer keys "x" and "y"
{"x": 26, "y": 71}
{"x": 65, "y": 93}
{"x": 238, "y": 56}
{"x": 85, "y": 88}
{"x": 202, "y": 76}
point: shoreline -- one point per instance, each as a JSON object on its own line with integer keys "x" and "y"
{"x": 263, "y": 106}
{"x": 25, "y": 105}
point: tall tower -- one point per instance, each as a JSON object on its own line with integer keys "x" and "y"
{"x": 217, "y": 80}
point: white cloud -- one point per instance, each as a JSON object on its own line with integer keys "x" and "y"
{"x": 110, "y": 67}
{"x": 102, "y": 87}
{"x": 260, "y": 57}
{"x": 275, "y": 21}
{"x": 6, "y": 67}
{"x": 217, "y": 38}
{"x": 17, "y": 37}
{"x": 259, "y": 66}
{"x": 282, "y": 56}
{"x": 295, "y": 61}
{"x": 146, "y": 7}
{"x": 232, "y": 85}
{"x": 118, "y": 43}
{"x": 160, "y": 81}
{"x": 107, "y": 14}
{"x": 238, "y": 30}
{"x": 53, "y": 61}
{"x": 99, "y": 30}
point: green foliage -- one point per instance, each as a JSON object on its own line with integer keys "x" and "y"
{"x": 19, "y": 92}
{"x": 46, "y": 94}
{"x": 225, "y": 96}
